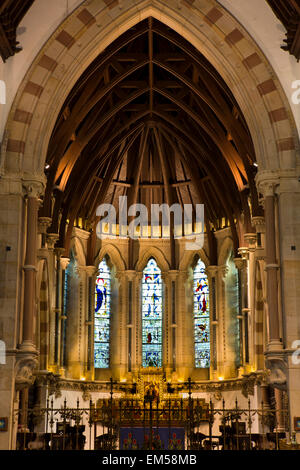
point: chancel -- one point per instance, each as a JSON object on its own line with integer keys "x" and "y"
{"x": 150, "y": 225}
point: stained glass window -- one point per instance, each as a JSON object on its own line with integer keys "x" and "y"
{"x": 152, "y": 315}
{"x": 201, "y": 316}
{"x": 102, "y": 317}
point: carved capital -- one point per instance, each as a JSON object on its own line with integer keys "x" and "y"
{"x": 240, "y": 263}
{"x": 43, "y": 224}
{"x": 24, "y": 372}
{"x": 59, "y": 251}
{"x": 244, "y": 253}
{"x": 259, "y": 223}
{"x": 33, "y": 188}
{"x": 51, "y": 239}
{"x": 130, "y": 273}
{"x": 268, "y": 187}
{"x": 251, "y": 240}
{"x": 211, "y": 271}
{"x": 173, "y": 274}
{"x": 91, "y": 270}
{"x": 64, "y": 262}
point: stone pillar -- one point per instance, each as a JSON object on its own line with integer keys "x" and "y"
{"x": 280, "y": 418}
{"x": 212, "y": 273}
{"x": 33, "y": 190}
{"x": 118, "y": 327}
{"x": 171, "y": 285}
{"x": 271, "y": 266}
{"x": 90, "y": 288}
{"x": 242, "y": 267}
{"x": 57, "y": 310}
{"x": 51, "y": 239}
{"x": 62, "y": 315}
{"x": 288, "y": 194}
{"x": 28, "y": 354}
{"x": 185, "y": 325}
{"x": 129, "y": 301}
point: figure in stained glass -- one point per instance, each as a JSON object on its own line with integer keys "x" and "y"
{"x": 152, "y": 315}
{"x": 102, "y": 316}
{"x": 201, "y": 316}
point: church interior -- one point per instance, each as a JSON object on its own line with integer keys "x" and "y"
{"x": 123, "y": 332}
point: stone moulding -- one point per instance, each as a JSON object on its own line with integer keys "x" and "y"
{"x": 245, "y": 384}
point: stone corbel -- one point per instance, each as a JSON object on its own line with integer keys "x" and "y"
{"x": 24, "y": 371}
{"x": 277, "y": 365}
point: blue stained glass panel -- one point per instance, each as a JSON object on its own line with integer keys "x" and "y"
{"x": 102, "y": 317}
{"x": 152, "y": 315}
{"x": 201, "y": 316}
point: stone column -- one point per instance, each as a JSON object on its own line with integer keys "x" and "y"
{"x": 242, "y": 267}
{"x": 212, "y": 273}
{"x": 172, "y": 322}
{"x": 224, "y": 361}
{"x": 51, "y": 239}
{"x": 185, "y": 325}
{"x": 280, "y": 421}
{"x": 28, "y": 353}
{"x": 57, "y": 309}
{"x": 271, "y": 266}
{"x": 33, "y": 191}
{"x": 129, "y": 302}
{"x": 91, "y": 271}
{"x": 118, "y": 327}
{"x": 62, "y": 315}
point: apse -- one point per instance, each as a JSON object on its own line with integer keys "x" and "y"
{"x": 152, "y": 120}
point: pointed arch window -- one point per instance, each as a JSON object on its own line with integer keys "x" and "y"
{"x": 102, "y": 317}
{"x": 201, "y": 316}
{"x": 152, "y": 315}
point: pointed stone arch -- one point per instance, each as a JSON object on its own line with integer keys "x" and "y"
{"x": 115, "y": 256}
{"x": 158, "y": 255}
{"x": 95, "y": 24}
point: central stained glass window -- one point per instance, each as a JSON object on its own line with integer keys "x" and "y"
{"x": 152, "y": 315}
{"x": 102, "y": 317}
{"x": 201, "y": 316}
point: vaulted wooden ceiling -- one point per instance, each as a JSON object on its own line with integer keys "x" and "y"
{"x": 151, "y": 119}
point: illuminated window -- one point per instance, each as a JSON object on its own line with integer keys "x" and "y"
{"x": 102, "y": 317}
{"x": 152, "y": 315}
{"x": 201, "y": 316}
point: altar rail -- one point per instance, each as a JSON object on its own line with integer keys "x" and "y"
{"x": 151, "y": 424}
